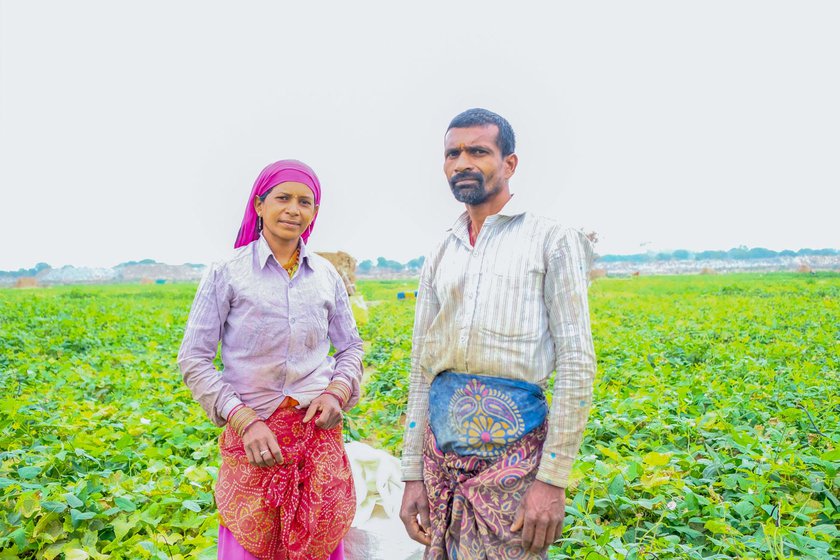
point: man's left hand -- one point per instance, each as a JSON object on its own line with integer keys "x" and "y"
{"x": 330, "y": 411}
{"x": 540, "y": 516}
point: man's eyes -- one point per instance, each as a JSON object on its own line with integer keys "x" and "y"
{"x": 472, "y": 152}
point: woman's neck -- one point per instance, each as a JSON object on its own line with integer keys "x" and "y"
{"x": 281, "y": 249}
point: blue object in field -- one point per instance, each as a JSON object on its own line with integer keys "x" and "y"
{"x": 400, "y": 295}
{"x": 160, "y": 281}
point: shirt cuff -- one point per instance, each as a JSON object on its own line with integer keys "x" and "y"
{"x": 231, "y": 403}
{"x": 412, "y": 467}
{"x": 555, "y": 471}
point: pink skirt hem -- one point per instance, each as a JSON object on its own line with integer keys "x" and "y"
{"x": 229, "y": 549}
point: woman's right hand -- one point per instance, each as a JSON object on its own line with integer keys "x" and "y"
{"x": 261, "y": 445}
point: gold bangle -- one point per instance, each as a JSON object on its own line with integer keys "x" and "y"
{"x": 242, "y": 419}
{"x": 339, "y": 389}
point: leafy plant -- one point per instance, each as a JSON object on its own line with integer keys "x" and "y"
{"x": 714, "y": 432}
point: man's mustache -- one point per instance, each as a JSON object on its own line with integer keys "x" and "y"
{"x": 466, "y": 176}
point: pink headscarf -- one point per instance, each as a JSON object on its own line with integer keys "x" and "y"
{"x": 283, "y": 171}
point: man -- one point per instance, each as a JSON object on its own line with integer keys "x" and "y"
{"x": 502, "y": 303}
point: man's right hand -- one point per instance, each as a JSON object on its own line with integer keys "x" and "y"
{"x": 415, "y": 512}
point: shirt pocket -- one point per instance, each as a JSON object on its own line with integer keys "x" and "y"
{"x": 513, "y": 306}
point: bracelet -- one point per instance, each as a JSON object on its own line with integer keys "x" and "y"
{"x": 234, "y": 411}
{"x": 243, "y": 419}
{"x": 339, "y": 390}
{"x": 337, "y": 397}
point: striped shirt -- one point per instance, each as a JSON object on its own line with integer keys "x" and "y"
{"x": 275, "y": 333}
{"x": 514, "y": 306}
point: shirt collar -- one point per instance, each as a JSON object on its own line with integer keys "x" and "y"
{"x": 264, "y": 253}
{"x": 511, "y": 209}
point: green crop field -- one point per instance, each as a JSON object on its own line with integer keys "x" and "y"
{"x": 714, "y": 432}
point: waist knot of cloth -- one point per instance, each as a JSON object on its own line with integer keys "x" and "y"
{"x": 480, "y": 415}
{"x": 473, "y": 500}
{"x": 297, "y": 510}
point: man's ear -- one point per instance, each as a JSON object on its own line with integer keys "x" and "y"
{"x": 511, "y": 162}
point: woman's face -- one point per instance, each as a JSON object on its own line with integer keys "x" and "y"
{"x": 287, "y": 211}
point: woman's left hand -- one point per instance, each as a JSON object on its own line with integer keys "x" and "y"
{"x": 330, "y": 411}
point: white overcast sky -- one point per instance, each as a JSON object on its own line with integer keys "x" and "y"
{"x": 133, "y": 130}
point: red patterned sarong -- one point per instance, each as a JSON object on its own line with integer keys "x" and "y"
{"x": 299, "y": 510}
{"x": 473, "y": 501}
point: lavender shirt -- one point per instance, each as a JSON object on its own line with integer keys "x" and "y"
{"x": 275, "y": 334}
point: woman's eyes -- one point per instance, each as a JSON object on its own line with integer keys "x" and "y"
{"x": 286, "y": 198}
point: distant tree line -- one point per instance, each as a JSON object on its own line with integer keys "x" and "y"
{"x": 738, "y": 253}
{"x": 135, "y": 263}
{"x": 385, "y": 265}
{"x": 24, "y": 272}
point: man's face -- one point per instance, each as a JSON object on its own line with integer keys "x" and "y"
{"x": 474, "y": 165}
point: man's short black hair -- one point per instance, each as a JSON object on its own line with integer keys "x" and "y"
{"x": 505, "y": 140}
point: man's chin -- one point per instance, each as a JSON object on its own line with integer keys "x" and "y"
{"x": 470, "y": 197}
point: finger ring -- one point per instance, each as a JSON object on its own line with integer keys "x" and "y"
{"x": 264, "y": 451}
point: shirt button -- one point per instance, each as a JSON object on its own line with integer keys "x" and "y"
{"x": 476, "y": 254}
{"x": 292, "y": 320}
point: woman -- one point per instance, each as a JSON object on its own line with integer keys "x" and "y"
{"x": 285, "y": 489}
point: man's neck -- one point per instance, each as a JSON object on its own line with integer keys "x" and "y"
{"x": 479, "y": 212}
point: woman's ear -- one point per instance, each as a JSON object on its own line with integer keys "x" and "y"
{"x": 257, "y": 204}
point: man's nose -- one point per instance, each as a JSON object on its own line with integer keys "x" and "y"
{"x": 463, "y": 163}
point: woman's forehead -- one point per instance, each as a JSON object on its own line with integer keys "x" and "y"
{"x": 293, "y": 188}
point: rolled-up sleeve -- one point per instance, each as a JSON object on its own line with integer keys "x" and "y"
{"x": 349, "y": 351}
{"x": 198, "y": 349}
{"x": 566, "y": 287}
{"x": 417, "y": 414}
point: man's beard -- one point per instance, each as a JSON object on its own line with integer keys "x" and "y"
{"x": 471, "y": 195}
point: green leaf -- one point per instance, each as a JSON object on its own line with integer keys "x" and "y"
{"x": 73, "y": 501}
{"x": 656, "y": 459}
{"x": 54, "y": 506}
{"x": 75, "y": 554}
{"x": 76, "y": 516}
{"x": 28, "y": 473}
{"x": 831, "y": 456}
{"x": 634, "y": 471}
{"x": 19, "y": 537}
{"x": 125, "y": 504}
{"x": 28, "y": 503}
{"x": 191, "y": 505}
{"x": 210, "y": 553}
{"x": 745, "y": 509}
{"x": 616, "y": 487}
{"x": 121, "y": 526}
{"x": 718, "y": 526}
